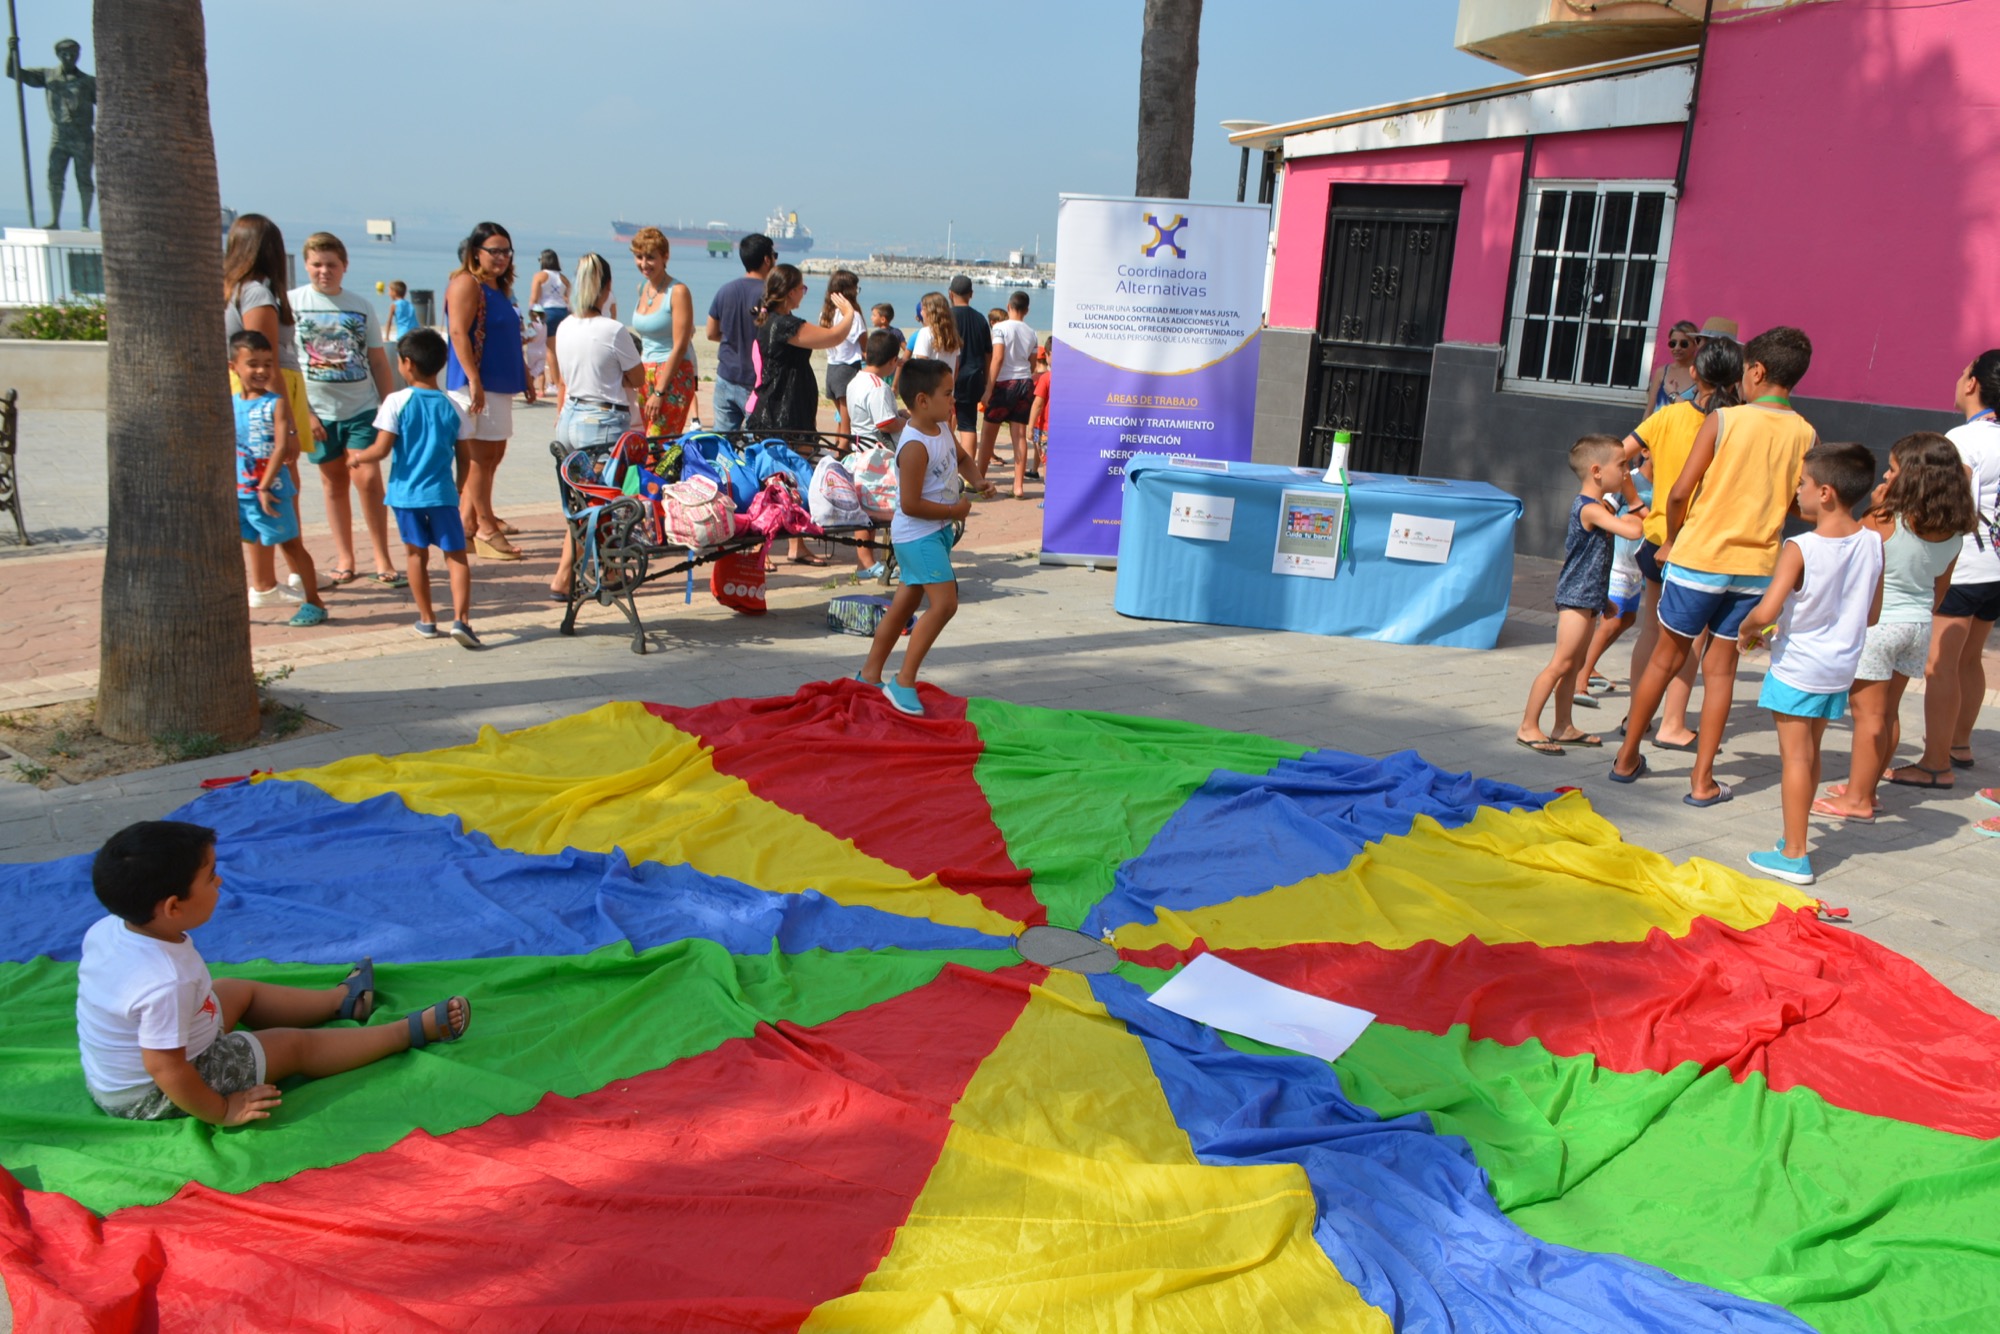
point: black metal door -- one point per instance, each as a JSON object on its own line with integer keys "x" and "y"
{"x": 1381, "y": 311}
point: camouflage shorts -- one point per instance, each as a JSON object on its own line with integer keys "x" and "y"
{"x": 232, "y": 1063}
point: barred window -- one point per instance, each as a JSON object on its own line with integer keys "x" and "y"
{"x": 1587, "y": 287}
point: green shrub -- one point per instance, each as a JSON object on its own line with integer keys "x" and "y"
{"x": 71, "y": 321}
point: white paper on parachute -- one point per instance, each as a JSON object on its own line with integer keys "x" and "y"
{"x": 1221, "y": 995}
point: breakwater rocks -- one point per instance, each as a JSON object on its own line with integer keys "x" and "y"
{"x": 934, "y": 271}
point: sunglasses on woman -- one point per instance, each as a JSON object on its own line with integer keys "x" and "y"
{"x": 1680, "y": 342}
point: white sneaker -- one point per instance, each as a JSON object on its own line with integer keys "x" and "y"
{"x": 278, "y": 595}
{"x": 297, "y": 581}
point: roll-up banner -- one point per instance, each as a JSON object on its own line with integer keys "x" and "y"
{"x": 1159, "y": 303}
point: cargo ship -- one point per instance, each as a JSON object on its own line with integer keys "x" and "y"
{"x": 719, "y": 238}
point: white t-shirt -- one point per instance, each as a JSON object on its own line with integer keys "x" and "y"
{"x": 925, "y": 345}
{"x": 593, "y": 353}
{"x": 555, "y": 292}
{"x": 1979, "y": 445}
{"x": 939, "y": 469}
{"x": 335, "y": 335}
{"x": 870, "y": 402}
{"x": 1016, "y": 342}
{"x": 848, "y": 352}
{"x": 534, "y": 346}
{"x": 132, "y": 992}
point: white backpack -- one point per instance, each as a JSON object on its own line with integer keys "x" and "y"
{"x": 834, "y": 501}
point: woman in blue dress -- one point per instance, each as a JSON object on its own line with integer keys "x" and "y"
{"x": 483, "y": 372}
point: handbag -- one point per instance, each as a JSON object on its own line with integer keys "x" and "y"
{"x": 738, "y": 582}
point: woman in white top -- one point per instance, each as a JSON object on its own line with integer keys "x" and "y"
{"x": 549, "y": 293}
{"x": 1920, "y": 512}
{"x": 598, "y": 378}
{"x": 1955, "y": 679}
{"x": 937, "y": 334}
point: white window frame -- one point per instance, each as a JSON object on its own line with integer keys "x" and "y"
{"x": 1517, "y": 299}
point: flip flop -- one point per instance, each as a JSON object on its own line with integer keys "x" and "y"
{"x": 393, "y": 579}
{"x": 1990, "y": 828}
{"x": 1584, "y": 700}
{"x": 1957, "y": 763}
{"x": 1585, "y": 739}
{"x": 1722, "y": 794}
{"x": 1932, "y": 778}
{"x": 1989, "y": 795}
{"x": 1632, "y": 777}
{"x": 335, "y": 578}
{"x": 442, "y": 1013}
{"x": 1835, "y": 791}
{"x": 811, "y": 558}
{"x": 360, "y": 981}
{"x": 1541, "y": 746}
{"x": 1687, "y": 747}
{"x": 1825, "y": 807}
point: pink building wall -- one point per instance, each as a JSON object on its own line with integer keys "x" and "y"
{"x": 1845, "y": 178}
{"x": 1489, "y": 174}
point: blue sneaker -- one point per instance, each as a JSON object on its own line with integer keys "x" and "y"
{"x": 426, "y": 629}
{"x": 872, "y": 685}
{"x": 869, "y": 575}
{"x": 1798, "y": 870}
{"x": 463, "y": 634}
{"x": 308, "y": 615}
{"x": 903, "y": 697}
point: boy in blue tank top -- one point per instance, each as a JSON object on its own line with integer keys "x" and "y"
{"x": 1599, "y": 464}
{"x": 420, "y": 427}
{"x": 267, "y": 519}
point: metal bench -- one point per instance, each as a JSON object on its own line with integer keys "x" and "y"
{"x": 10, "y": 481}
{"x": 615, "y": 554}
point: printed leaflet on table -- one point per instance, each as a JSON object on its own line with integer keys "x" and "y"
{"x": 1309, "y": 533}
{"x": 1205, "y": 517}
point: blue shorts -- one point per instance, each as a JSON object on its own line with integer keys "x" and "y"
{"x": 1689, "y": 611}
{"x": 267, "y": 530}
{"x": 1624, "y": 606}
{"x": 1781, "y": 698}
{"x": 926, "y": 560}
{"x": 437, "y": 526}
{"x": 1648, "y": 557}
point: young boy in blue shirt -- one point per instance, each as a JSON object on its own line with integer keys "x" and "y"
{"x": 266, "y": 518}
{"x": 420, "y": 427}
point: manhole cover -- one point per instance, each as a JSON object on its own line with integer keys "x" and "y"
{"x": 1058, "y": 947}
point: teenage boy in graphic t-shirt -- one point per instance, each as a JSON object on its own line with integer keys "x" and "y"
{"x": 1725, "y": 523}
{"x": 347, "y": 376}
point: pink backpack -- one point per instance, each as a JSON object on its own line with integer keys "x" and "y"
{"x": 696, "y": 514}
{"x": 776, "y": 509}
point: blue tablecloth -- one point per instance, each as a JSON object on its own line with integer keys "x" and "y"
{"x": 1460, "y": 603}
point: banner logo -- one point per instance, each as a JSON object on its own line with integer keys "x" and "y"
{"x": 1165, "y": 236}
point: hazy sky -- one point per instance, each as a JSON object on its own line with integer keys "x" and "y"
{"x": 877, "y": 127}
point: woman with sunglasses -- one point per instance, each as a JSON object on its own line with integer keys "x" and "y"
{"x": 1673, "y": 380}
{"x": 483, "y": 372}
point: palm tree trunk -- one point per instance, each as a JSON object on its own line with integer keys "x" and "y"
{"x": 1169, "y": 53}
{"x": 175, "y": 641}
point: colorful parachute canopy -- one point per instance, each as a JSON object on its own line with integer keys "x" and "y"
{"x": 752, "y": 1049}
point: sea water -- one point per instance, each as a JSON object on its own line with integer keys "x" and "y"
{"x": 430, "y": 266}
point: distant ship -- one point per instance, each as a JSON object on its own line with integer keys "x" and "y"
{"x": 719, "y": 238}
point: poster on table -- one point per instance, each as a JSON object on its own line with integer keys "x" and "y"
{"x": 1309, "y": 532}
{"x": 1158, "y": 306}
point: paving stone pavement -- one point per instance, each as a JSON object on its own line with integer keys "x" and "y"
{"x": 1919, "y": 880}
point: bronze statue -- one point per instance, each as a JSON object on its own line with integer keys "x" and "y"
{"x": 72, "y": 97}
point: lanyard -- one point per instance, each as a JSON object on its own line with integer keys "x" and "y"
{"x": 1985, "y": 414}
